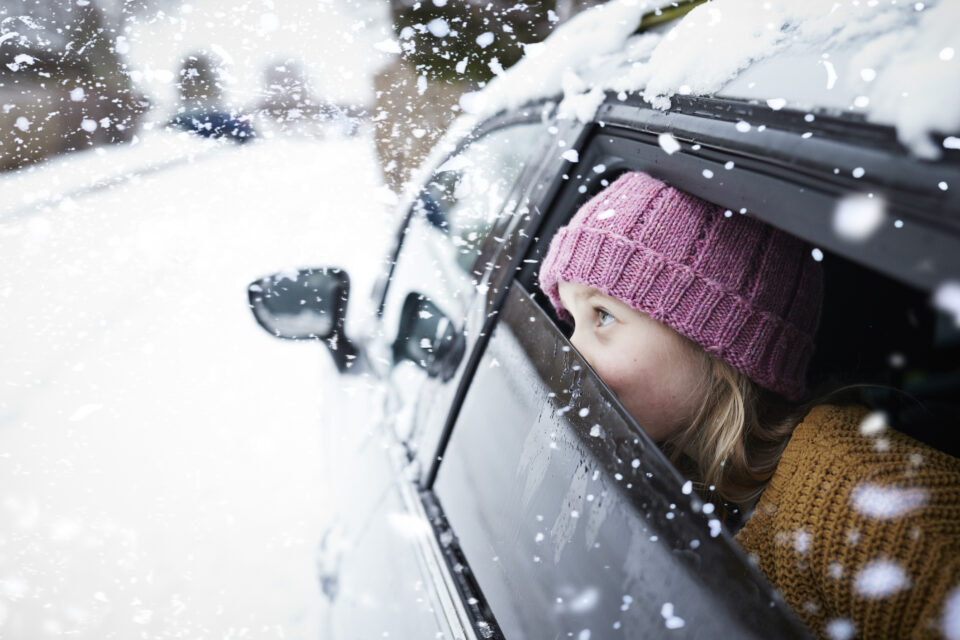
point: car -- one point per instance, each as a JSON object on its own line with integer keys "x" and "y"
{"x": 492, "y": 486}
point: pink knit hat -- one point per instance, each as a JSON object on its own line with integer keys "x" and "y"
{"x": 744, "y": 291}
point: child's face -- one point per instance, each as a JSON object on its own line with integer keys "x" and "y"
{"x": 657, "y": 374}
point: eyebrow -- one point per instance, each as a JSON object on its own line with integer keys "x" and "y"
{"x": 589, "y": 295}
{"x": 597, "y": 294}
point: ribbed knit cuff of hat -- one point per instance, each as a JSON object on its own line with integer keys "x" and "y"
{"x": 767, "y": 348}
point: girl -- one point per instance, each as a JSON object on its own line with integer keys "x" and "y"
{"x": 702, "y": 324}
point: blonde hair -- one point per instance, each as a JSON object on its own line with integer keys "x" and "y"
{"x": 735, "y": 441}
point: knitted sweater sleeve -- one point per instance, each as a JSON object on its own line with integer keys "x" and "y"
{"x": 861, "y": 533}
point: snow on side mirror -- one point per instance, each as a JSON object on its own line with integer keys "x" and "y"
{"x": 307, "y": 304}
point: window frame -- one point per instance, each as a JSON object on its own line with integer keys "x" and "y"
{"x": 534, "y": 112}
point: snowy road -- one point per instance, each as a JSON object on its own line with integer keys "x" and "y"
{"x": 161, "y": 457}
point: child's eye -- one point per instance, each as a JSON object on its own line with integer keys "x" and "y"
{"x": 605, "y": 317}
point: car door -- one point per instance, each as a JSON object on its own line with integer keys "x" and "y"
{"x": 382, "y": 574}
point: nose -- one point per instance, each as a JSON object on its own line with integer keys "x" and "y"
{"x": 573, "y": 338}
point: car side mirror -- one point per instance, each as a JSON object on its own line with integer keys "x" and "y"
{"x": 309, "y": 304}
{"x": 427, "y": 338}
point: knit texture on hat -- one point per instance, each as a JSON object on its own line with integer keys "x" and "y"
{"x": 743, "y": 290}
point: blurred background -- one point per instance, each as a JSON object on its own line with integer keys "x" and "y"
{"x": 81, "y": 73}
{"x": 164, "y": 463}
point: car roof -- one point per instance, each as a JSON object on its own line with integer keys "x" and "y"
{"x": 889, "y": 63}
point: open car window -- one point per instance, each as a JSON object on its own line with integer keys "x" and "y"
{"x": 548, "y": 487}
{"x": 569, "y": 518}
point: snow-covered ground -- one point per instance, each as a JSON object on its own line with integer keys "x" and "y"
{"x": 162, "y": 459}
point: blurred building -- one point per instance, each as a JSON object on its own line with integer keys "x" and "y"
{"x": 199, "y": 83}
{"x": 63, "y": 82}
{"x": 287, "y": 94}
{"x": 291, "y": 104}
{"x": 447, "y": 49}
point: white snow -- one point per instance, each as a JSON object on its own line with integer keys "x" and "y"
{"x": 904, "y": 70}
{"x": 887, "y": 503}
{"x": 388, "y": 46}
{"x": 336, "y": 43}
{"x": 53, "y": 180}
{"x": 841, "y": 629}
{"x": 407, "y": 525}
{"x": 601, "y": 30}
{"x": 438, "y": 27}
{"x": 858, "y": 216}
{"x": 880, "y": 578}
{"x": 485, "y": 39}
{"x": 873, "y": 423}
{"x": 668, "y": 143}
{"x": 584, "y": 602}
{"x": 802, "y": 540}
{"x": 85, "y": 411}
{"x": 947, "y": 299}
{"x": 670, "y": 620}
{"x": 715, "y": 527}
{"x": 951, "y": 616}
{"x": 166, "y": 466}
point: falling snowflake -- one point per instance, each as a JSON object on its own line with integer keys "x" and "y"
{"x": 840, "y": 629}
{"x": 886, "y": 503}
{"x": 881, "y": 578}
{"x": 857, "y": 217}
{"x": 951, "y": 615}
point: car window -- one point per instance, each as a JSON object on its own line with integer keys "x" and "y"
{"x": 547, "y": 487}
{"x": 435, "y": 280}
{"x": 570, "y": 518}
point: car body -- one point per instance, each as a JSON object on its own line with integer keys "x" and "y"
{"x": 501, "y": 490}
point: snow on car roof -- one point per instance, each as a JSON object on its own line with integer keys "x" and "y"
{"x": 897, "y": 63}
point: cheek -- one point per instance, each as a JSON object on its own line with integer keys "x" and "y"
{"x": 621, "y": 372}
{"x": 654, "y": 386}
{"x": 633, "y": 379}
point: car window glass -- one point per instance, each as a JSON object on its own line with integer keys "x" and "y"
{"x": 569, "y": 518}
{"x": 435, "y": 279}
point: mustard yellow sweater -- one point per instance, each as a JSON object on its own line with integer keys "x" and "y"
{"x": 861, "y": 533}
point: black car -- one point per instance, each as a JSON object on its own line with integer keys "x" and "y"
{"x": 499, "y": 488}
